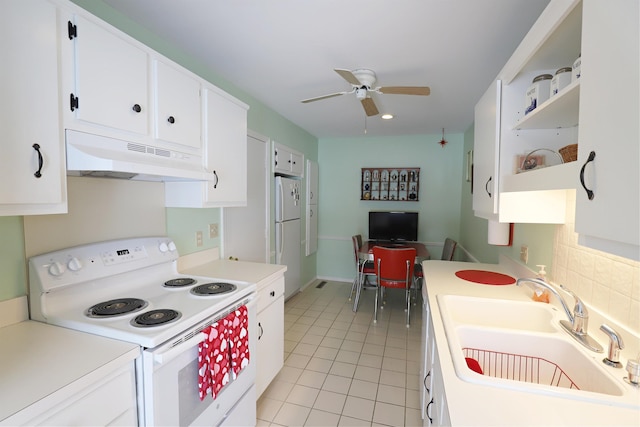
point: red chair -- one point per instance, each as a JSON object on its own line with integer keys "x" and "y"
{"x": 394, "y": 269}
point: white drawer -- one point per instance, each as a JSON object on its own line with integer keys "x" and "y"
{"x": 269, "y": 293}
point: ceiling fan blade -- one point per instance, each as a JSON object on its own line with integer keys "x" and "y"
{"x": 369, "y": 107}
{"x": 405, "y": 90}
{"x": 348, "y": 76}
{"x": 318, "y": 98}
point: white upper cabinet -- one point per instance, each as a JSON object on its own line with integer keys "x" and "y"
{"x": 486, "y": 152}
{"x": 226, "y": 149}
{"x": 115, "y": 86}
{"x": 312, "y": 208}
{"x": 226, "y": 157}
{"x": 287, "y": 161}
{"x": 32, "y": 166}
{"x": 178, "y": 111}
{"x": 608, "y": 200}
{"x": 312, "y": 182}
{"x": 552, "y": 43}
{"x": 111, "y": 78}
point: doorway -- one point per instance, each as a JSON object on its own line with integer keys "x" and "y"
{"x": 246, "y": 229}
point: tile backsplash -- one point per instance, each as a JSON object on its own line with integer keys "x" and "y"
{"x": 606, "y": 282}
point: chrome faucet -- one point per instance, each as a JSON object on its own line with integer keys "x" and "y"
{"x": 578, "y": 320}
{"x": 615, "y": 345}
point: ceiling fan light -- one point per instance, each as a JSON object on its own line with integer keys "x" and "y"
{"x": 386, "y": 116}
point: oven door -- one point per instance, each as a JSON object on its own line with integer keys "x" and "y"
{"x": 170, "y": 381}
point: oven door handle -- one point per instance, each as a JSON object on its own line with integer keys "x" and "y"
{"x": 174, "y": 352}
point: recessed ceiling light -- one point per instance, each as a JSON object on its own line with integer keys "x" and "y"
{"x": 387, "y": 116}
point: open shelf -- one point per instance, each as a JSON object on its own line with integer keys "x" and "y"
{"x": 559, "y": 177}
{"x": 559, "y": 111}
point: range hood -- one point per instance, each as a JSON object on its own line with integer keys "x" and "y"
{"x": 99, "y": 156}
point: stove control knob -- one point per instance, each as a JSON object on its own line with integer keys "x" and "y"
{"x": 56, "y": 268}
{"x": 172, "y": 246}
{"x": 74, "y": 264}
{"x": 163, "y": 247}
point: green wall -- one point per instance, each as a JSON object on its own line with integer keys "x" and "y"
{"x": 342, "y": 213}
{"x": 13, "y": 267}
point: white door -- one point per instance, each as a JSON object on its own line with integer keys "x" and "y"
{"x": 246, "y": 230}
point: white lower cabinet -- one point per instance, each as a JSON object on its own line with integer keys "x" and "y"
{"x": 88, "y": 406}
{"x": 270, "y": 356}
{"x": 432, "y": 395}
{"x": 32, "y": 164}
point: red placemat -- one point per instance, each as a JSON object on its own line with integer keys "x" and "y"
{"x": 485, "y": 277}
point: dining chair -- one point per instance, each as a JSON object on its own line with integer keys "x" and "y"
{"x": 394, "y": 269}
{"x": 448, "y": 250}
{"x": 364, "y": 270}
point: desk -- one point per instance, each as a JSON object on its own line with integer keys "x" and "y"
{"x": 366, "y": 254}
{"x": 366, "y": 251}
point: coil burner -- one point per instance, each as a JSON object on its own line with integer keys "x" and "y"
{"x": 116, "y": 307}
{"x": 216, "y": 288}
{"x": 180, "y": 282}
{"x": 156, "y": 318}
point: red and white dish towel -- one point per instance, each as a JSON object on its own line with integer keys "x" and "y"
{"x": 224, "y": 353}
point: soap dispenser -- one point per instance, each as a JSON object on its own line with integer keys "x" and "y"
{"x": 539, "y": 293}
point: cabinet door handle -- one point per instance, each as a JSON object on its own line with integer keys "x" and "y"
{"x": 272, "y": 293}
{"x": 428, "y": 414}
{"x": 425, "y": 382}
{"x": 137, "y": 108}
{"x": 171, "y": 119}
{"x": 261, "y": 330}
{"x": 592, "y": 156}
{"x": 486, "y": 186}
{"x": 38, "y": 173}
{"x": 215, "y": 185}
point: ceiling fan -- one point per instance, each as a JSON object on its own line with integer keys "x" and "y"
{"x": 362, "y": 82}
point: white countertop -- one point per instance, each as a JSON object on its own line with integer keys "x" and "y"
{"x": 37, "y": 360}
{"x": 253, "y": 272}
{"x": 477, "y": 404}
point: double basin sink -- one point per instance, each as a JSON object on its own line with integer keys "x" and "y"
{"x": 519, "y": 345}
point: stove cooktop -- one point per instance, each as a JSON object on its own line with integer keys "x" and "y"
{"x": 128, "y": 290}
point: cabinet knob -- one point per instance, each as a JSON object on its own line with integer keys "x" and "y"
{"x": 137, "y": 108}
{"x": 171, "y": 119}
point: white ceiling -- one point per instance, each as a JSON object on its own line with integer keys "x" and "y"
{"x": 284, "y": 51}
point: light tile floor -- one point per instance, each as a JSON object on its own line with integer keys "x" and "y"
{"x": 341, "y": 369}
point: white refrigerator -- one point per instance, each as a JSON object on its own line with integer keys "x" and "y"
{"x": 288, "y": 241}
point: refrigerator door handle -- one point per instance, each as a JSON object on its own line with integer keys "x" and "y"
{"x": 281, "y": 207}
{"x": 279, "y": 232}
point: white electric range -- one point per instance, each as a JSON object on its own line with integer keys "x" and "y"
{"x": 131, "y": 290}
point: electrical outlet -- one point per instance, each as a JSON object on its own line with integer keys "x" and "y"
{"x": 198, "y": 238}
{"x": 524, "y": 253}
{"x": 213, "y": 231}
